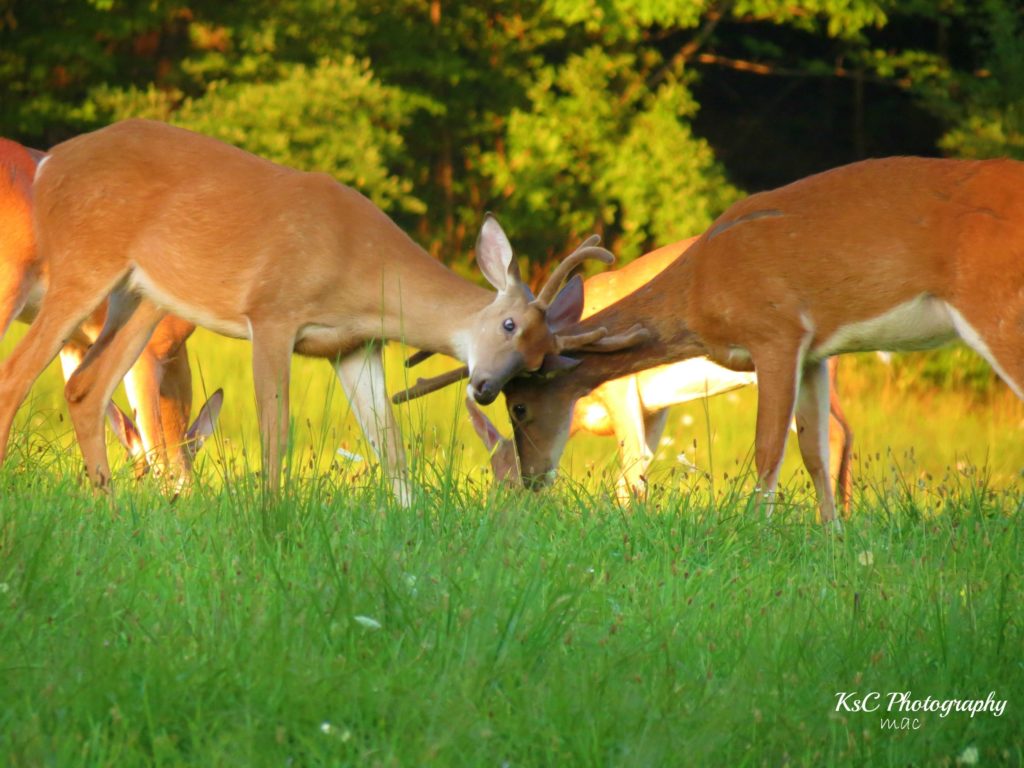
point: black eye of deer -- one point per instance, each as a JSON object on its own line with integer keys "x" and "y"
{"x": 509, "y": 324}
{"x": 519, "y": 411}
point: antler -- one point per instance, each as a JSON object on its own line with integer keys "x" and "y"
{"x": 426, "y": 386}
{"x": 417, "y": 357}
{"x": 598, "y": 340}
{"x": 635, "y": 335}
{"x": 589, "y": 249}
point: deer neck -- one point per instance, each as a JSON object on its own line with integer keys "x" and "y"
{"x": 428, "y": 306}
{"x": 661, "y": 307}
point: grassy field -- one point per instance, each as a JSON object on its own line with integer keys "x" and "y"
{"x": 482, "y": 628}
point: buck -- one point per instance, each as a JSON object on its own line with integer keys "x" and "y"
{"x": 166, "y": 220}
{"x": 634, "y": 408}
{"x": 896, "y": 254}
{"x": 159, "y": 385}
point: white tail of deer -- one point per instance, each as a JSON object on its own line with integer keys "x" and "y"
{"x": 634, "y": 408}
{"x": 159, "y": 385}
{"x": 165, "y": 220}
{"x": 900, "y": 254}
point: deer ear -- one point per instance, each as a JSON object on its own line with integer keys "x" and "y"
{"x": 495, "y": 257}
{"x": 205, "y": 422}
{"x": 567, "y": 308}
{"x": 125, "y": 430}
{"x": 483, "y": 426}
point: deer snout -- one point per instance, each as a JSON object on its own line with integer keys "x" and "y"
{"x": 486, "y": 380}
{"x": 483, "y": 390}
{"x": 540, "y": 481}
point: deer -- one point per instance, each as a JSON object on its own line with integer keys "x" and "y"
{"x": 159, "y": 220}
{"x": 159, "y": 385}
{"x": 634, "y": 408}
{"x": 900, "y": 253}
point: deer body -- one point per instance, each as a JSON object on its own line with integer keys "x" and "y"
{"x": 166, "y": 220}
{"x": 634, "y": 408}
{"x": 159, "y": 386}
{"x": 901, "y": 253}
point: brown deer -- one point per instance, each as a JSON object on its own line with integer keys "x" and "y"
{"x": 159, "y": 385}
{"x": 900, "y": 253}
{"x": 634, "y": 408}
{"x": 161, "y": 219}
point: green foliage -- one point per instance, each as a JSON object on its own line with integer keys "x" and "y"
{"x": 561, "y": 115}
{"x": 597, "y": 148}
{"x": 333, "y": 117}
{"x": 986, "y": 109}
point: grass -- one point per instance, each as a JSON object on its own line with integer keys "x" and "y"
{"x": 479, "y": 628}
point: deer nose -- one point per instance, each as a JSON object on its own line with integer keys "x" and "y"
{"x": 483, "y": 391}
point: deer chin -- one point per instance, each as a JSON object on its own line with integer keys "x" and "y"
{"x": 540, "y": 481}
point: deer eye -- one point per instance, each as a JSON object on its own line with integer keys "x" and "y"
{"x": 509, "y": 324}
{"x": 519, "y": 411}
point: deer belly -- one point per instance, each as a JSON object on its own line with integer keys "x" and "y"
{"x": 189, "y": 309}
{"x": 688, "y": 380}
{"x": 921, "y": 323}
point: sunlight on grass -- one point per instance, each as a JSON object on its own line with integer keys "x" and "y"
{"x": 330, "y": 626}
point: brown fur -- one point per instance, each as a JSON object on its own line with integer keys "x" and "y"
{"x": 159, "y": 385}
{"x": 849, "y": 246}
{"x": 164, "y": 219}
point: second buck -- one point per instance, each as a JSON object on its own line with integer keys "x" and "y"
{"x": 166, "y": 220}
{"x": 900, "y": 254}
{"x": 159, "y": 385}
{"x": 633, "y": 409}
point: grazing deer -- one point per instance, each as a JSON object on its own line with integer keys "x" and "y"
{"x": 634, "y": 408}
{"x": 162, "y": 220}
{"x": 159, "y": 385}
{"x": 900, "y": 253}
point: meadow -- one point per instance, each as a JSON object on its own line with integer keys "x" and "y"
{"x": 483, "y": 627}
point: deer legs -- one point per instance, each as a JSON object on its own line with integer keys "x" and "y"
{"x": 130, "y": 322}
{"x": 361, "y": 374}
{"x": 271, "y": 370}
{"x": 812, "y": 429}
{"x": 628, "y": 425}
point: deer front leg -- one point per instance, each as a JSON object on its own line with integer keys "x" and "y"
{"x": 361, "y": 374}
{"x": 812, "y": 429}
{"x": 175, "y": 402}
{"x": 621, "y": 399}
{"x": 778, "y": 373}
{"x": 271, "y": 370}
{"x": 141, "y": 384}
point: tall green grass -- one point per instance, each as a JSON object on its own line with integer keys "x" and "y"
{"x": 331, "y": 627}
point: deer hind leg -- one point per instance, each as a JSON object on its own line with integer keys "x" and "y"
{"x": 812, "y": 427}
{"x": 271, "y": 370}
{"x": 361, "y": 374}
{"x": 129, "y": 324}
{"x": 1000, "y": 342}
{"x": 63, "y": 309}
{"x": 840, "y": 438}
{"x": 15, "y": 285}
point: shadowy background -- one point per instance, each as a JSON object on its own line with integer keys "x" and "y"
{"x": 639, "y": 119}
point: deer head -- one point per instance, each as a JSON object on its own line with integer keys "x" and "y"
{"x": 519, "y": 332}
